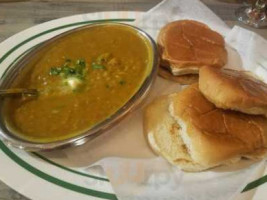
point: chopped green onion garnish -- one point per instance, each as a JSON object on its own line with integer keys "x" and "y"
{"x": 68, "y": 69}
{"x": 81, "y": 62}
{"x": 55, "y": 71}
{"x": 96, "y": 66}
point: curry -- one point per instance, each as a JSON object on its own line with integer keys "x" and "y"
{"x": 82, "y": 78}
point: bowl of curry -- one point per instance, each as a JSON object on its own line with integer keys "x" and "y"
{"x": 87, "y": 80}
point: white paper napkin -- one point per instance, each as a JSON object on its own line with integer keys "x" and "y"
{"x": 154, "y": 178}
{"x": 252, "y": 49}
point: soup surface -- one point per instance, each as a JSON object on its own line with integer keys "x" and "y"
{"x": 83, "y": 78}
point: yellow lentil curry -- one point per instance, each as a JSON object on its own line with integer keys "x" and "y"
{"x": 83, "y": 78}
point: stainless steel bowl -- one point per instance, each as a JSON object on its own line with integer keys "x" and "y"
{"x": 10, "y": 74}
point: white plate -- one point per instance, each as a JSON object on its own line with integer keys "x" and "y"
{"x": 37, "y": 177}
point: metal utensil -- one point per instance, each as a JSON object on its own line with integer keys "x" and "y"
{"x": 18, "y": 91}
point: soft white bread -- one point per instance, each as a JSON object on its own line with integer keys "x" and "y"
{"x": 187, "y": 45}
{"x": 235, "y": 90}
{"x": 186, "y": 79}
{"x": 163, "y": 135}
{"x": 191, "y": 133}
{"x": 214, "y": 136}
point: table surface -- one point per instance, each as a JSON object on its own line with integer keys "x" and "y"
{"x": 16, "y": 16}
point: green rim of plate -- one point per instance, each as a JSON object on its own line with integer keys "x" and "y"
{"x": 54, "y": 180}
{"x": 34, "y": 170}
{"x": 68, "y": 169}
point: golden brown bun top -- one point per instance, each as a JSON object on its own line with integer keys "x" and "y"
{"x": 232, "y": 89}
{"x": 217, "y": 135}
{"x": 191, "y": 42}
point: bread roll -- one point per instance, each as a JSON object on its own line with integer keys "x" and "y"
{"x": 214, "y": 136}
{"x": 187, "y": 45}
{"x": 191, "y": 133}
{"x": 235, "y": 90}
